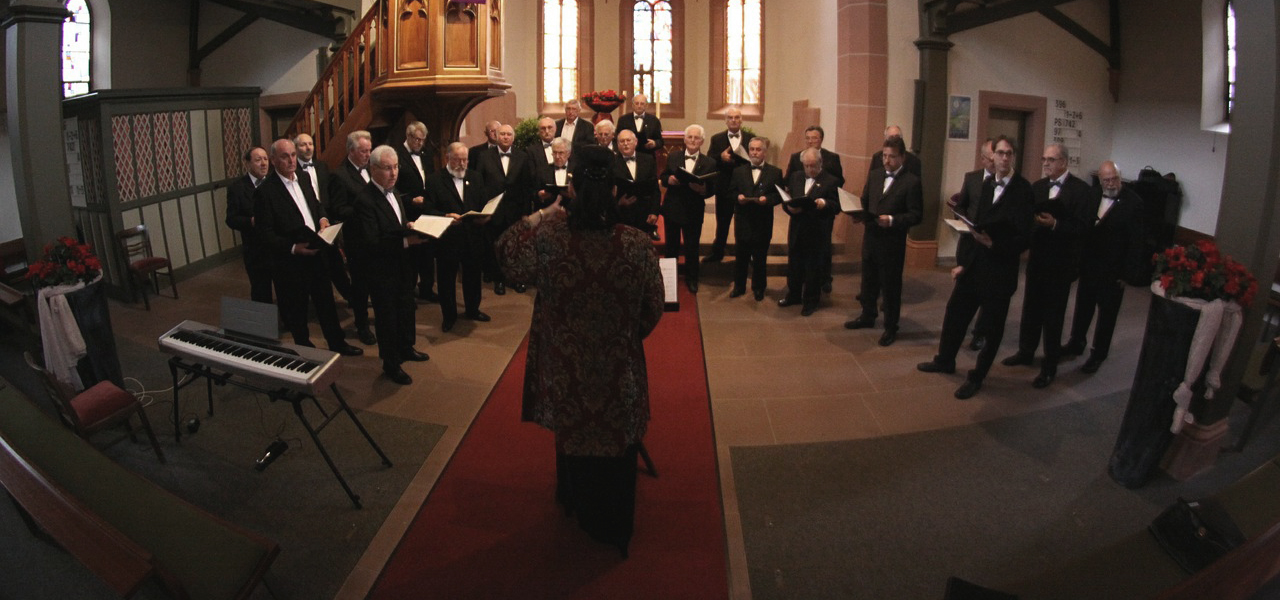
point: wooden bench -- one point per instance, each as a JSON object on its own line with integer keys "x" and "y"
{"x": 1137, "y": 567}
{"x": 125, "y": 529}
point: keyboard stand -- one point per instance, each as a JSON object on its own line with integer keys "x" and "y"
{"x": 295, "y": 398}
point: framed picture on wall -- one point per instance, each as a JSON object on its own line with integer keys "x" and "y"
{"x": 958, "y": 111}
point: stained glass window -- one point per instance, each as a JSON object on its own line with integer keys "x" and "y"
{"x": 1231, "y": 58}
{"x": 652, "y": 70}
{"x": 75, "y": 50}
{"x": 559, "y": 51}
{"x": 742, "y": 52}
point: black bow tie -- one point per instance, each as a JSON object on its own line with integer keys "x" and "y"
{"x": 630, "y": 158}
{"x": 304, "y": 165}
{"x": 546, "y": 144}
{"x": 888, "y": 174}
{"x": 756, "y": 167}
{"x": 1056, "y": 184}
{"x": 561, "y": 168}
{"x": 507, "y": 153}
{"x": 734, "y": 136}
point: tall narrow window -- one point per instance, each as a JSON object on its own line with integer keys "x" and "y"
{"x": 76, "y": 49}
{"x": 564, "y": 45}
{"x": 742, "y": 45}
{"x": 1231, "y": 58}
{"x": 652, "y": 52}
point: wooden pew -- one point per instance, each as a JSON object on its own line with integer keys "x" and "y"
{"x": 123, "y": 528}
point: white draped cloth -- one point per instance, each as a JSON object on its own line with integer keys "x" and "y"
{"x": 1214, "y": 338}
{"x": 60, "y": 334}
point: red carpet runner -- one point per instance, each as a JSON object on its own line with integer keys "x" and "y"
{"x": 491, "y": 528}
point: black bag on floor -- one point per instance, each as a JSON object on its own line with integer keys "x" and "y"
{"x": 1195, "y": 534}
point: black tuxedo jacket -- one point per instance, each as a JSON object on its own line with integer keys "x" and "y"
{"x": 650, "y": 129}
{"x": 473, "y": 153}
{"x": 321, "y": 178}
{"x": 1009, "y": 223}
{"x": 543, "y": 175}
{"x": 279, "y": 225}
{"x": 753, "y": 221}
{"x": 970, "y": 192}
{"x": 811, "y": 227}
{"x": 904, "y": 201}
{"x": 682, "y": 204}
{"x": 911, "y": 162}
{"x": 830, "y": 164}
{"x": 720, "y": 142}
{"x": 374, "y": 235}
{"x": 443, "y": 199}
{"x": 537, "y": 153}
{"x": 1112, "y": 248}
{"x": 645, "y": 189}
{"x": 410, "y": 184}
{"x": 516, "y": 184}
{"x": 584, "y": 132}
{"x": 345, "y": 184}
{"x": 1055, "y": 253}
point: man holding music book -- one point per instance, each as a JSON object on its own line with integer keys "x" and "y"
{"x": 552, "y": 179}
{"x": 453, "y": 192}
{"x": 754, "y": 186}
{"x": 688, "y": 176}
{"x": 812, "y": 201}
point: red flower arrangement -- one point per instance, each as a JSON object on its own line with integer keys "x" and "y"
{"x": 604, "y": 97}
{"x": 65, "y": 262}
{"x": 1199, "y": 270}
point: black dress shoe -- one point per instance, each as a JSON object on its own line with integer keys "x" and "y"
{"x": 979, "y": 342}
{"x": 477, "y": 316}
{"x": 347, "y": 350}
{"x": 414, "y": 355}
{"x": 785, "y": 302}
{"x": 1043, "y": 380}
{"x": 397, "y": 375}
{"x": 499, "y": 288}
{"x": 826, "y": 287}
{"x": 366, "y": 337}
{"x": 967, "y": 389}
{"x": 692, "y": 285}
{"x": 1016, "y": 359}
{"x": 735, "y": 292}
{"x": 759, "y": 295}
{"x": 860, "y": 323}
{"x": 714, "y": 257}
{"x": 934, "y": 366}
{"x": 1073, "y": 348}
{"x": 518, "y": 287}
{"x": 808, "y": 310}
{"x": 448, "y": 323}
{"x": 1091, "y": 365}
{"x": 889, "y": 337}
{"x": 428, "y": 296}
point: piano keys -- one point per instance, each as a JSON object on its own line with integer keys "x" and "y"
{"x": 298, "y": 368}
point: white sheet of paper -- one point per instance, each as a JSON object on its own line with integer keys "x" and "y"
{"x": 670, "y": 292}
{"x": 489, "y": 207}
{"x": 786, "y": 197}
{"x": 849, "y": 202}
{"x": 957, "y": 225}
{"x": 330, "y": 233}
{"x": 431, "y": 225}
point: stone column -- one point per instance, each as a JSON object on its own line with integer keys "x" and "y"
{"x": 933, "y": 130}
{"x": 33, "y": 46}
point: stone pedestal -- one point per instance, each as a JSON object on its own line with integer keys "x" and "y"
{"x": 1194, "y": 449}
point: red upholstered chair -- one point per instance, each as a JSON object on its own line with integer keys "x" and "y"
{"x": 96, "y": 408}
{"x": 144, "y": 267}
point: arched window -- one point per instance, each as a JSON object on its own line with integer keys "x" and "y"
{"x": 653, "y": 52}
{"x": 564, "y": 50}
{"x": 76, "y": 49}
{"x": 737, "y": 57}
{"x": 1231, "y": 58}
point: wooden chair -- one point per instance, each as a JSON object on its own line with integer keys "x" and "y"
{"x": 135, "y": 247}
{"x": 96, "y": 408}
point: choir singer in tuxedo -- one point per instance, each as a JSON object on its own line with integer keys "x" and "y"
{"x": 685, "y": 203}
{"x": 378, "y": 243}
{"x": 416, "y": 162}
{"x": 725, "y": 148}
{"x": 754, "y": 187}
{"x": 648, "y": 128}
{"x": 809, "y": 233}
{"x": 894, "y": 202}
{"x": 257, "y": 263}
{"x": 451, "y": 192}
{"x": 637, "y": 177}
{"x": 287, "y": 219}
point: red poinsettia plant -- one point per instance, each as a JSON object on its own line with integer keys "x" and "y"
{"x": 65, "y": 262}
{"x": 604, "y": 97}
{"x": 1199, "y": 270}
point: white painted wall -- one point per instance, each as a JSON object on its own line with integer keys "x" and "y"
{"x": 149, "y": 42}
{"x": 1158, "y": 119}
{"x": 799, "y": 65}
{"x": 277, "y": 58}
{"x": 10, "y": 226}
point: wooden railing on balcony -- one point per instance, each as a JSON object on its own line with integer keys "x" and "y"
{"x": 340, "y": 90}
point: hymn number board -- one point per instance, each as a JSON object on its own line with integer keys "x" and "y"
{"x": 1068, "y": 130}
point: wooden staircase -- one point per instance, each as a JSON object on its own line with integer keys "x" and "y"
{"x": 423, "y": 60}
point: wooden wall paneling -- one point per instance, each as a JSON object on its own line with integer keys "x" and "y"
{"x": 189, "y": 221}
{"x": 461, "y": 36}
{"x": 413, "y": 27}
{"x": 494, "y": 41}
{"x": 210, "y": 223}
{"x": 170, "y": 226}
{"x": 213, "y": 124}
{"x": 199, "y": 147}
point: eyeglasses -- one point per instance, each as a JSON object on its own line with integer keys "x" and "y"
{"x": 1004, "y": 152}
{"x": 1051, "y": 158}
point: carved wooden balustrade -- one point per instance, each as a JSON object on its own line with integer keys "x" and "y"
{"x": 426, "y": 60}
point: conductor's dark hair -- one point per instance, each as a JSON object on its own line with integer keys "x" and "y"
{"x": 249, "y": 153}
{"x": 895, "y": 142}
{"x": 1005, "y": 139}
{"x": 822, "y": 134}
{"x": 593, "y": 204}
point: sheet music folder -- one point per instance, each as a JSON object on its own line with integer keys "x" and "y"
{"x": 254, "y": 320}
{"x": 670, "y": 292}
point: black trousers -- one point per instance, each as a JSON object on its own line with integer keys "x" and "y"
{"x": 806, "y": 248}
{"x": 601, "y": 491}
{"x": 1044, "y": 309}
{"x": 691, "y": 233}
{"x": 391, "y": 290}
{"x": 353, "y": 288}
{"x": 725, "y": 206}
{"x": 453, "y": 255}
{"x": 424, "y": 261}
{"x": 1105, "y": 297}
{"x": 302, "y": 282}
{"x": 259, "y": 280}
{"x": 966, "y": 298}
{"x": 751, "y": 255}
{"x": 883, "y": 258}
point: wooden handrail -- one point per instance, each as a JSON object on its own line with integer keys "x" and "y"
{"x": 349, "y": 76}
